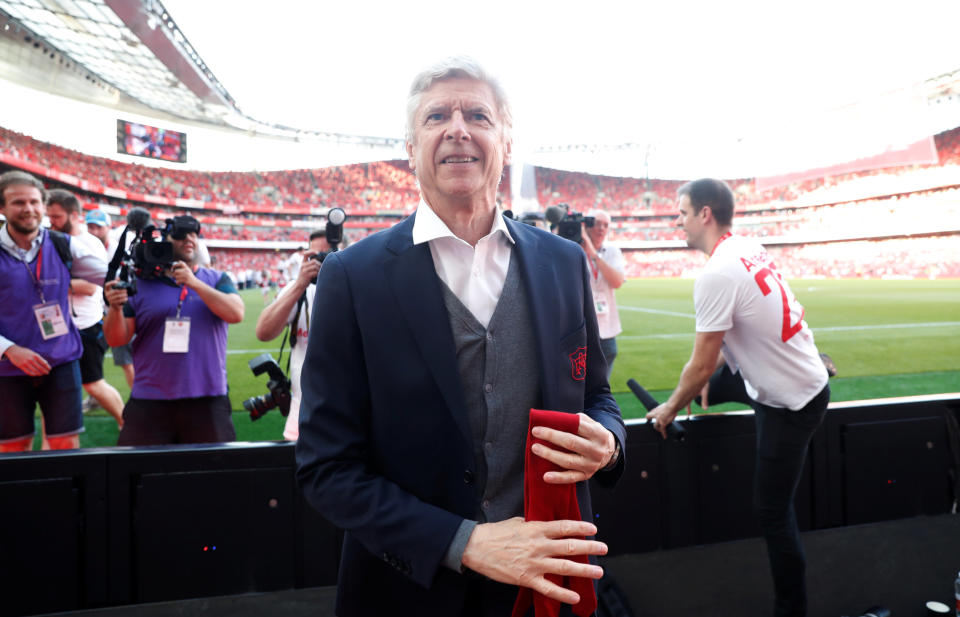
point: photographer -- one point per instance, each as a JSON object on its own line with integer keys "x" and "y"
{"x": 293, "y": 307}
{"x": 606, "y": 269}
{"x": 180, "y": 318}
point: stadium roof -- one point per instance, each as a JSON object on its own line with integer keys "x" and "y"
{"x": 137, "y": 48}
{"x": 671, "y": 89}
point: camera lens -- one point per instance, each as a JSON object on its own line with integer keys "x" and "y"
{"x": 259, "y": 405}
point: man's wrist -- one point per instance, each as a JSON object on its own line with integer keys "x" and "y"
{"x": 453, "y": 558}
{"x": 614, "y": 458}
{"x": 300, "y": 284}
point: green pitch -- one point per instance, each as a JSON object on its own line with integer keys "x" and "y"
{"x": 887, "y": 338}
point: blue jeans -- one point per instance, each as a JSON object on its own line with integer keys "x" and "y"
{"x": 783, "y": 438}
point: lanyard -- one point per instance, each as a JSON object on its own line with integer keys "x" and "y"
{"x": 183, "y": 295}
{"x": 36, "y": 277}
{"x": 719, "y": 240}
{"x": 594, "y": 267}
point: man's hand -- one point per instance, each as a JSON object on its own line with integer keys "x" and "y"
{"x": 115, "y": 297}
{"x": 587, "y": 243}
{"x": 704, "y": 402}
{"x": 27, "y": 360}
{"x": 590, "y": 450}
{"x": 182, "y": 274}
{"x": 661, "y": 417}
{"x": 518, "y": 552}
{"x": 308, "y": 270}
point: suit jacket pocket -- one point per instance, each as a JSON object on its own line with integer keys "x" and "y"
{"x": 572, "y": 367}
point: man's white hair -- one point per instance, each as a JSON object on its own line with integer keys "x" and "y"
{"x": 452, "y": 68}
{"x": 600, "y": 213}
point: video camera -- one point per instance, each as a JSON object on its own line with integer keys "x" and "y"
{"x": 278, "y": 386}
{"x": 334, "y": 234}
{"x": 149, "y": 253}
{"x": 568, "y": 224}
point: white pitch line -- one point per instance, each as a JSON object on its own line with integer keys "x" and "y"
{"x": 638, "y": 337}
{"x": 656, "y": 311}
{"x": 930, "y": 324}
{"x": 233, "y": 352}
{"x": 890, "y": 326}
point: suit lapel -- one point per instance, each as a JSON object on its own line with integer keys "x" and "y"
{"x": 416, "y": 289}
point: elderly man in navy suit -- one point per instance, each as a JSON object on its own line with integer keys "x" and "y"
{"x": 430, "y": 343}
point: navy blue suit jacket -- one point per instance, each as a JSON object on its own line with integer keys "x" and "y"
{"x": 385, "y": 449}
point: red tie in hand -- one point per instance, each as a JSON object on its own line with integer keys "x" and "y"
{"x": 551, "y": 502}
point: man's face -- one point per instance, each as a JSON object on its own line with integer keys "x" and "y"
{"x": 459, "y": 147}
{"x": 23, "y": 208}
{"x": 186, "y": 249}
{"x": 598, "y": 233}
{"x": 60, "y": 219}
{"x": 99, "y": 231}
{"x": 690, "y": 222}
{"x": 320, "y": 244}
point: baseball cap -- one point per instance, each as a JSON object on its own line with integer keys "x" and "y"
{"x": 98, "y": 217}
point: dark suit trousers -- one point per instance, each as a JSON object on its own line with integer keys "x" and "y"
{"x": 783, "y": 437}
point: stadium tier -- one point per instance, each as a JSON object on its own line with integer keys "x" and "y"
{"x": 894, "y": 222}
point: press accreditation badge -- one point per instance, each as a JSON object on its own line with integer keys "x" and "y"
{"x": 51, "y": 320}
{"x": 176, "y": 335}
{"x": 602, "y": 307}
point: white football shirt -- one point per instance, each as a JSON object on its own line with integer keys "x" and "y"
{"x": 741, "y": 293}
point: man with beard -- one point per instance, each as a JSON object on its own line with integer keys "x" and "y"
{"x": 180, "y": 318}
{"x": 86, "y": 302}
{"x": 39, "y": 343}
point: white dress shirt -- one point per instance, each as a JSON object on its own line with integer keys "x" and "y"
{"x": 474, "y": 274}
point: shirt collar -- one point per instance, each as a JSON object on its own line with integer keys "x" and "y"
{"x": 428, "y": 226}
{"x": 11, "y": 247}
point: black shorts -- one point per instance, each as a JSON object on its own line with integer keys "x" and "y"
{"x": 59, "y": 395}
{"x": 94, "y": 347}
{"x": 149, "y": 422}
{"x": 122, "y": 355}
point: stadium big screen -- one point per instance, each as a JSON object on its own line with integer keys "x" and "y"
{"x": 151, "y": 142}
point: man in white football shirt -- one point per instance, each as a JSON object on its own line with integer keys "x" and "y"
{"x": 745, "y": 310}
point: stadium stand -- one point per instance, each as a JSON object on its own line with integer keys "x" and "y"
{"x": 895, "y": 222}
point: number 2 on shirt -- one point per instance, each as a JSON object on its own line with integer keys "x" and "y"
{"x": 788, "y": 329}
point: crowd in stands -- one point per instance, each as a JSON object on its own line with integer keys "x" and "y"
{"x": 929, "y": 257}
{"x": 284, "y": 205}
{"x": 253, "y": 268}
{"x": 376, "y": 186}
{"x": 928, "y": 211}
